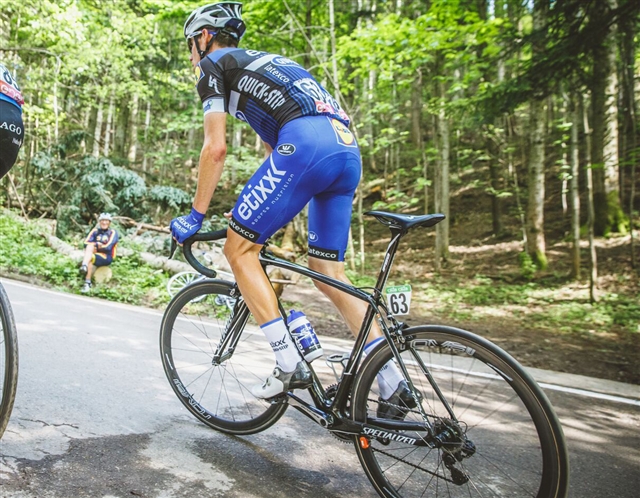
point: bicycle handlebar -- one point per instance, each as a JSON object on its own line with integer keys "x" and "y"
{"x": 188, "y": 253}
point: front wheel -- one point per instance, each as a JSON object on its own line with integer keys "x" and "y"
{"x": 493, "y": 431}
{"x": 8, "y": 360}
{"x": 211, "y": 365}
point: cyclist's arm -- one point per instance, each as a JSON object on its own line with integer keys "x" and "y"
{"x": 214, "y": 151}
{"x": 108, "y": 246}
{"x": 91, "y": 238}
{"x": 268, "y": 149}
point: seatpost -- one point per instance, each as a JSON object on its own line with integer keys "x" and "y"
{"x": 385, "y": 269}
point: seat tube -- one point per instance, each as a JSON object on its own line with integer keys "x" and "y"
{"x": 389, "y": 256}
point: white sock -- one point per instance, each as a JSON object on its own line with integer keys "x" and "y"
{"x": 389, "y": 376}
{"x": 287, "y": 355}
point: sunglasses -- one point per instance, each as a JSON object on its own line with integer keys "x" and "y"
{"x": 193, "y": 37}
{"x": 190, "y": 39}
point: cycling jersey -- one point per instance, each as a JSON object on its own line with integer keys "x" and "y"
{"x": 11, "y": 125}
{"x": 315, "y": 157}
{"x": 9, "y": 89}
{"x": 265, "y": 90}
{"x": 106, "y": 242}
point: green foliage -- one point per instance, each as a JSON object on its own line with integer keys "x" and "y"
{"x": 528, "y": 268}
{"x": 134, "y": 282}
{"x": 169, "y": 199}
{"x": 23, "y": 250}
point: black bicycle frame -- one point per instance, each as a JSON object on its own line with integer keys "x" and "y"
{"x": 336, "y": 405}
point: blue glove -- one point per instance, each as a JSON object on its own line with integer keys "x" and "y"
{"x": 185, "y": 226}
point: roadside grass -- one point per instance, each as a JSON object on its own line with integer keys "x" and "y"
{"x": 24, "y": 251}
{"x": 561, "y": 306}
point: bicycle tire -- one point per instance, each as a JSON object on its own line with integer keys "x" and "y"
{"x": 8, "y": 360}
{"x": 518, "y": 444}
{"x": 217, "y": 395}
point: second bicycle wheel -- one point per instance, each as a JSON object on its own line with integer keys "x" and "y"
{"x": 494, "y": 431}
{"x": 211, "y": 381}
{"x": 8, "y": 360}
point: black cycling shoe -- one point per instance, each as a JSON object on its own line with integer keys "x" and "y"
{"x": 398, "y": 404}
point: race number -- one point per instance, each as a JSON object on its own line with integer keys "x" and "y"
{"x": 399, "y": 299}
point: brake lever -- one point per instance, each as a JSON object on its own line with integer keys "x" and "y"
{"x": 174, "y": 246}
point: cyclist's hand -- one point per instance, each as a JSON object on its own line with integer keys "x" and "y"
{"x": 228, "y": 215}
{"x": 185, "y": 226}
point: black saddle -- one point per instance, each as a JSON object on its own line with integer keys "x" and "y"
{"x": 405, "y": 222}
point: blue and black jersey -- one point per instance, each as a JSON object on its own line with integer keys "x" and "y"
{"x": 11, "y": 125}
{"x": 265, "y": 90}
{"x": 106, "y": 240}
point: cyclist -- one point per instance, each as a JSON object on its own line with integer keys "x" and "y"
{"x": 11, "y": 126}
{"x": 312, "y": 157}
{"x": 99, "y": 249}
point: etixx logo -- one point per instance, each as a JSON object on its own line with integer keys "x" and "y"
{"x": 286, "y": 149}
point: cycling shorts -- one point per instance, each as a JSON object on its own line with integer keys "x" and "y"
{"x": 316, "y": 161}
{"x": 11, "y": 135}
{"x": 101, "y": 259}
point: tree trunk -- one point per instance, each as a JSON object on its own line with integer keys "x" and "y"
{"x": 122, "y": 122}
{"x": 91, "y": 128}
{"x": 147, "y": 126}
{"x": 442, "y": 184}
{"x": 536, "y": 247}
{"x": 593, "y": 260}
{"x": 604, "y": 142}
{"x": 108, "y": 127}
{"x": 416, "y": 110}
{"x": 97, "y": 132}
{"x": 574, "y": 195}
{"x": 629, "y": 113}
{"x": 133, "y": 140}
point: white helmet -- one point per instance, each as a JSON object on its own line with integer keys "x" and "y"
{"x": 104, "y": 216}
{"x": 226, "y": 16}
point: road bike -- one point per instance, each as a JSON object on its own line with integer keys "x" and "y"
{"x": 475, "y": 424}
{"x": 8, "y": 360}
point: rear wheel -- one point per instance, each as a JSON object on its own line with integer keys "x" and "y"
{"x": 8, "y": 360}
{"x": 495, "y": 431}
{"x": 211, "y": 368}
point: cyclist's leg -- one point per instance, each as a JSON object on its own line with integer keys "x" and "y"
{"x": 329, "y": 220}
{"x": 294, "y": 173}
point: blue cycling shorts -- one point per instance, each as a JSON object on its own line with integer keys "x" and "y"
{"x": 317, "y": 162}
{"x": 101, "y": 259}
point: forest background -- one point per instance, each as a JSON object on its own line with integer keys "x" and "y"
{"x": 517, "y": 119}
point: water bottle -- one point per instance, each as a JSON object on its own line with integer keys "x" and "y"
{"x": 304, "y": 336}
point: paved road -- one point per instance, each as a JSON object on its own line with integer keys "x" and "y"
{"x": 95, "y": 417}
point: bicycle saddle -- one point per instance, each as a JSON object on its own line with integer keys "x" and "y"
{"x": 405, "y": 222}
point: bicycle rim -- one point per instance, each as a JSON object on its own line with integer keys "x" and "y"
{"x": 8, "y": 360}
{"x": 217, "y": 393}
{"x": 502, "y": 440}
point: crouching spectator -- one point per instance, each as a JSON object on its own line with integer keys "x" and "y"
{"x": 100, "y": 249}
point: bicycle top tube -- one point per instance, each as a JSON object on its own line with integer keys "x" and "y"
{"x": 399, "y": 224}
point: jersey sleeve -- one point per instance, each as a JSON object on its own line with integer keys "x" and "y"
{"x": 210, "y": 85}
{"x": 91, "y": 237}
